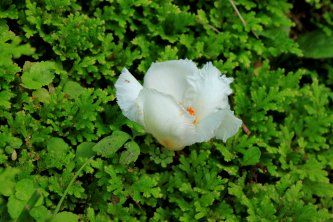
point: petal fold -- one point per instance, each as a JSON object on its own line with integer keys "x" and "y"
{"x": 206, "y": 128}
{"x": 170, "y": 77}
{"x": 229, "y": 126}
{"x": 166, "y": 120}
{"x": 127, "y": 92}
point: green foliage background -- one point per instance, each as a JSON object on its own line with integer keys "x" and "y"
{"x": 59, "y": 60}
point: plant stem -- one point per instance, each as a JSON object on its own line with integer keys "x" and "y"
{"x": 70, "y": 184}
{"x": 24, "y": 216}
{"x": 241, "y": 17}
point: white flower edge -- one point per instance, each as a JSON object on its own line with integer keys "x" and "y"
{"x": 161, "y": 107}
{"x": 127, "y": 93}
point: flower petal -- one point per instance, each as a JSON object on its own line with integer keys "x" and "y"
{"x": 229, "y": 126}
{"x": 208, "y": 91}
{"x": 170, "y": 77}
{"x": 206, "y": 128}
{"x": 127, "y": 91}
{"x": 166, "y": 120}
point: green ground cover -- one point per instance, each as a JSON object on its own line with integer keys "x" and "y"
{"x": 60, "y": 124}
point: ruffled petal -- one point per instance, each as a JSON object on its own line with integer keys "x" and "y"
{"x": 179, "y": 105}
{"x": 127, "y": 91}
{"x": 208, "y": 91}
{"x": 166, "y": 120}
{"x": 170, "y": 77}
{"x": 229, "y": 126}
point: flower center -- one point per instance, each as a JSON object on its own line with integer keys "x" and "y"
{"x": 191, "y": 110}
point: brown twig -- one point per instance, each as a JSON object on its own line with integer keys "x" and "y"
{"x": 245, "y": 129}
{"x": 241, "y": 17}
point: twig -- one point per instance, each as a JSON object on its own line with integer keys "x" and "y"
{"x": 245, "y": 129}
{"x": 241, "y": 17}
{"x": 209, "y": 25}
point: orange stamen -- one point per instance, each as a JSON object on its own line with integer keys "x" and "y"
{"x": 195, "y": 121}
{"x": 191, "y": 111}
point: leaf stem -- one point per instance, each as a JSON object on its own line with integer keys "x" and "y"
{"x": 29, "y": 205}
{"x": 241, "y": 17}
{"x": 70, "y": 184}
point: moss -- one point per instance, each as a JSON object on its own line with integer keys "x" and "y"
{"x": 279, "y": 168}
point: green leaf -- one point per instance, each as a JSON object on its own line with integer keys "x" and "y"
{"x": 41, "y": 95}
{"x": 136, "y": 127}
{"x": 15, "y": 142}
{"x": 228, "y": 156}
{"x": 35, "y": 200}
{"x": 5, "y": 97}
{"x": 251, "y": 156}
{"x": 15, "y": 207}
{"x": 84, "y": 150}
{"x": 40, "y": 213}
{"x": 7, "y": 181}
{"x": 131, "y": 154}
{"x": 313, "y": 170}
{"x": 110, "y": 144}
{"x": 316, "y": 44}
{"x": 65, "y": 216}
{"x": 207, "y": 199}
{"x": 73, "y": 89}
{"x": 51, "y": 4}
{"x": 91, "y": 214}
{"x": 19, "y": 205}
{"x": 24, "y": 189}
{"x": 57, "y": 155}
{"x": 36, "y": 75}
{"x": 57, "y": 145}
{"x": 319, "y": 188}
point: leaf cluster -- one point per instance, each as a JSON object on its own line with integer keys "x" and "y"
{"x": 68, "y": 154}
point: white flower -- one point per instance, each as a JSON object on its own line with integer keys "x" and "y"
{"x": 179, "y": 104}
